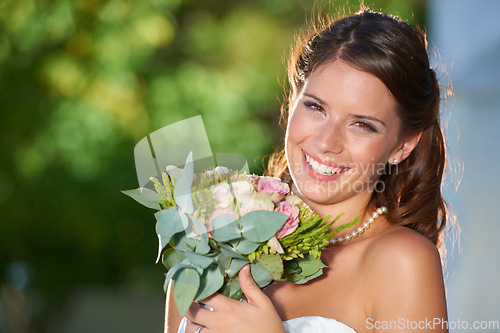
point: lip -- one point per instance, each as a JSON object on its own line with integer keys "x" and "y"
{"x": 313, "y": 174}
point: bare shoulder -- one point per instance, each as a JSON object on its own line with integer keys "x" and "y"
{"x": 404, "y": 250}
{"x": 406, "y": 278}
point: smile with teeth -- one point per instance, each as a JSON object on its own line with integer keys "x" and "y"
{"x": 323, "y": 169}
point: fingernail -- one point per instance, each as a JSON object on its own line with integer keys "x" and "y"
{"x": 247, "y": 270}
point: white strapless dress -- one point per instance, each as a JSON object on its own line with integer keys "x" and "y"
{"x": 307, "y": 324}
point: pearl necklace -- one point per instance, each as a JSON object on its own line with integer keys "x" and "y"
{"x": 360, "y": 230}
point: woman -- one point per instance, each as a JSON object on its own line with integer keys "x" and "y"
{"x": 363, "y": 137}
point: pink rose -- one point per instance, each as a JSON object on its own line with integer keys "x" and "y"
{"x": 216, "y": 213}
{"x": 257, "y": 203}
{"x": 272, "y": 188}
{"x": 222, "y": 196}
{"x": 243, "y": 191}
{"x": 293, "y": 219}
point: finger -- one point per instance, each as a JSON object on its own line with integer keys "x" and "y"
{"x": 251, "y": 290}
{"x": 197, "y": 314}
{"x": 219, "y": 302}
{"x": 193, "y": 327}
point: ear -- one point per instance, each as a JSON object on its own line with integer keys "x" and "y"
{"x": 404, "y": 149}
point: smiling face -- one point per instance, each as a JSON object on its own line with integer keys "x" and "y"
{"x": 341, "y": 132}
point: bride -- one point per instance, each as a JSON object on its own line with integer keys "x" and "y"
{"x": 363, "y": 137}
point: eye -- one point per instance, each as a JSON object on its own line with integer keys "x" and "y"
{"x": 314, "y": 106}
{"x": 365, "y": 126}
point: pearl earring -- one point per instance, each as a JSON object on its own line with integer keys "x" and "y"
{"x": 395, "y": 161}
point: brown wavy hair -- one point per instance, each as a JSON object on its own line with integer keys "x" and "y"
{"x": 396, "y": 53}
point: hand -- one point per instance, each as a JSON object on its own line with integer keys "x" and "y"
{"x": 229, "y": 315}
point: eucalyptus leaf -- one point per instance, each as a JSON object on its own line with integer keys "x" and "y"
{"x": 182, "y": 189}
{"x": 244, "y": 246}
{"x": 199, "y": 260}
{"x": 174, "y": 270}
{"x": 234, "y": 289}
{"x": 193, "y": 266}
{"x": 186, "y": 285}
{"x": 145, "y": 197}
{"x": 223, "y": 263}
{"x": 211, "y": 281}
{"x": 225, "y": 228}
{"x": 229, "y": 251}
{"x": 235, "y": 266}
{"x": 197, "y": 268}
{"x": 310, "y": 265}
{"x": 169, "y": 223}
{"x": 181, "y": 242}
{"x": 260, "y": 275}
{"x": 200, "y": 234}
{"x": 174, "y": 172}
{"x": 170, "y": 258}
{"x": 260, "y": 225}
{"x": 202, "y": 246}
{"x": 310, "y": 277}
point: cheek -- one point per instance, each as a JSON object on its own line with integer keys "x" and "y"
{"x": 294, "y": 132}
{"x": 301, "y": 125}
{"x": 371, "y": 156}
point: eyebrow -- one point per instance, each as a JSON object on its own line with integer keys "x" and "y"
{"x": 317, "y": 99}
{"x": 358, "y": 116}
{"x": 363, "y": 117}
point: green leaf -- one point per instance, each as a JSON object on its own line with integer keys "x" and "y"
{"x": 181, "y": 242}
{"x": 170, "y": 258}
{"x": 234, "y": 289}
{"x": 244, "y": 246}
{"x": 174, "y": 270}
{"x": 186, "y": 285}
{"x": 310, "y": 265}
{"x": 230, "y": 266}
{"x": 235, "y": 266}
{"x": 309, "y": 278}
{"x": 145, "y": 197}
{"x": 223, "y": 263}
{"x": 260, "y": 275}
{"x": 193, "y": 266}
{"x": 174, "y": 172}
{"x": 211, "y": 281}
{"x": 199, "y": 260}
{"x": 229, "y": 251}
{"x": 225, "y": 228}
{"x": 182, "y": 190}
{"x": 169, "y": 223}
{"x": 273, "y": 264}
{"x": 260, "y": 225}
{"x": 200, "y": 234}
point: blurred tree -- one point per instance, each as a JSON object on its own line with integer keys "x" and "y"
{"x": 81, "y": 81}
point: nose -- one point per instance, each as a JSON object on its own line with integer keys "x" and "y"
{"x": 329, "y": 139}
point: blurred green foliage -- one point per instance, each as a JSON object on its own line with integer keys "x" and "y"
{"x": 81, "y": 81}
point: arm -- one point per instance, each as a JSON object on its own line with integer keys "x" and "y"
{"x": 408, "y": 290}
{"x": 172, "y": 316}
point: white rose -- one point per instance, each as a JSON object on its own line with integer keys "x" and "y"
{"x": 222, "y": 196}
{"x": 243, "y": 191}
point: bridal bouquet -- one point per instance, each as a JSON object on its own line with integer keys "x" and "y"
{"x": 211, "y": 224}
